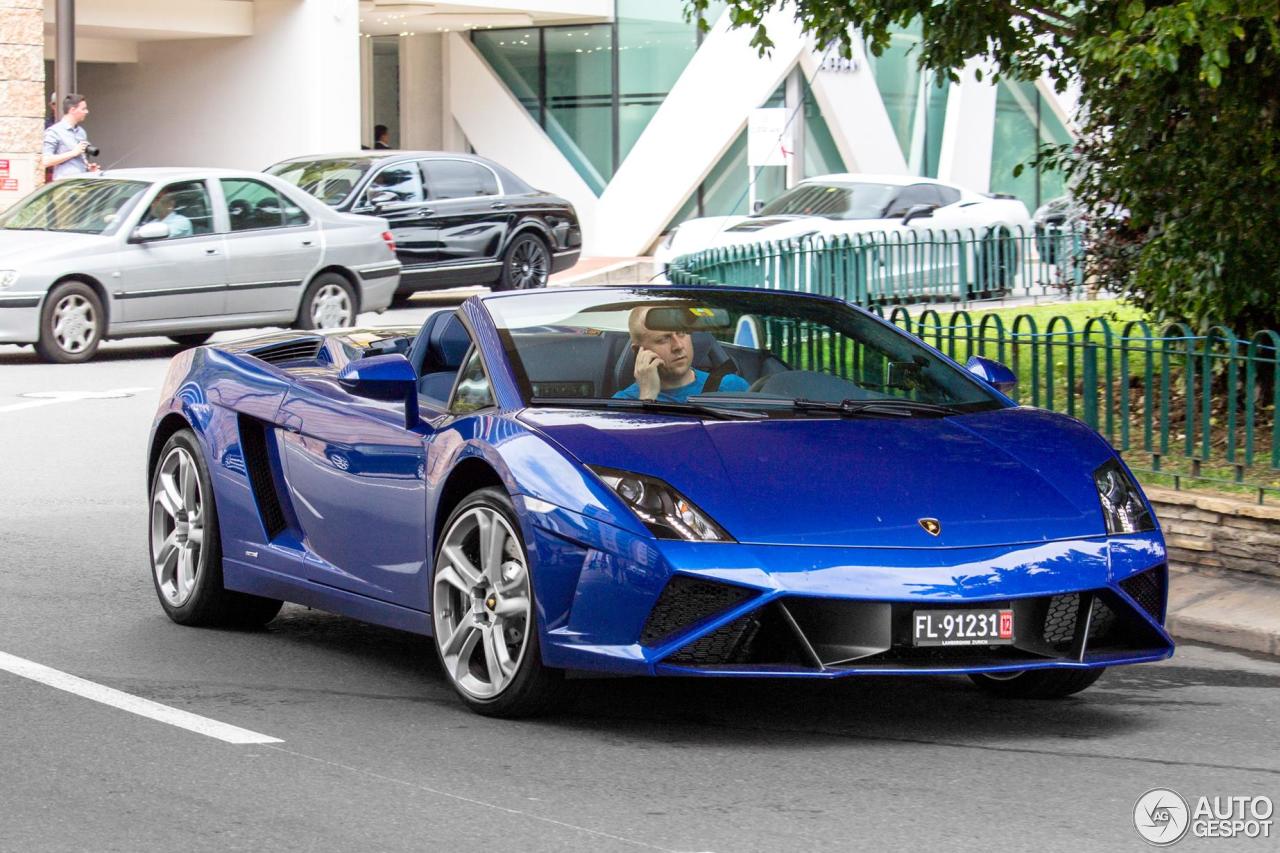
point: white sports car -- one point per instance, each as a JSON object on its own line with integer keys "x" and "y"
{"x": 904, "y": 207}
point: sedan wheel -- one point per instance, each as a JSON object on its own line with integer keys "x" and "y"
{"x": 71, "y": 325}
{"x": 526, "y": 265}
{"x": 177, "y": 527}
{"x": 483, "y": 612}
{"x": 329, "y": 303}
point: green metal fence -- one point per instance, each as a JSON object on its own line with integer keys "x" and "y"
{"x": 1178, "y": 404}
{"x": 905, "y": 266}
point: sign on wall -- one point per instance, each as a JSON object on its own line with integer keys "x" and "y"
{"x": 768, "y": 137}
{"x": 17, "y": 177}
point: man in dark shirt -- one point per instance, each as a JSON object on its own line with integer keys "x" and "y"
{"x": 664, "y": 365}
{"x": 381, "y": 138}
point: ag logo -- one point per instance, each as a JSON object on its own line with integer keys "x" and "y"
{"x": 930, "y": 525}
{"x": 1161, "y": 817}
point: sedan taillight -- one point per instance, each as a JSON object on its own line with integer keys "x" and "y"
{"x": 389, "y": 240}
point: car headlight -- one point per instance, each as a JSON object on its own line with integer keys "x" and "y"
{"x": 667, "y": 513}
{"x": 1121, "y": 499}
{"x": 8, "y": 278}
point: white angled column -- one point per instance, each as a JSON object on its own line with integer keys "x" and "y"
{"x": 965, "y": 156}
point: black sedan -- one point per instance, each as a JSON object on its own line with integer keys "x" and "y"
{"x": 457, "y": 219}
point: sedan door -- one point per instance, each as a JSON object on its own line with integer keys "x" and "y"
{"x": 395, "y": 193}
{"x": 356, "y": 480}
{"x": 273, "y": 247}
{"x": 470, "y": 214}
{"x": 179, "y": 276}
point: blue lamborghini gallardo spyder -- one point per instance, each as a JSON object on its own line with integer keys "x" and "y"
{"x": 711, "y": 482}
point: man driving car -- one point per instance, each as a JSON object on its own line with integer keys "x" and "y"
{"x": 664, "y": 365}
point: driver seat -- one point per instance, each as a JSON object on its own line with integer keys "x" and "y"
{"x": 707, "y": 356}
{"x": 437, "y": 354}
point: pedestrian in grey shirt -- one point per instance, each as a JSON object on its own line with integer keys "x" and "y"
{"x": 65, "y": 143}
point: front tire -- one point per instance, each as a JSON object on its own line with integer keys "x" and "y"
{"x": 525, "y": 265}
{"x": 484, "y": 615}
{"x": 192, "y": 340}
{"x": 186, "y": 547}
{"x": 71, "y": 324}
{"x": 1037, "y": 683}
{"x": 329, "y": 303}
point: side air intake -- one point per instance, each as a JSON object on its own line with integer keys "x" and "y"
{"x": 257, "y": 459}
{"x": 304, "y": 349}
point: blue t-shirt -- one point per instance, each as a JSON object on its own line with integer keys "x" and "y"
{"x": 731, "y": 382}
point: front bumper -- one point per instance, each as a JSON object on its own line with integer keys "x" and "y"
{"x": 20, "y": 317}
{"x": 627, "y": 605}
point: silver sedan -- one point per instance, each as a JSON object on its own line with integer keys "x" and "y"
{"x": 182, "y": 253}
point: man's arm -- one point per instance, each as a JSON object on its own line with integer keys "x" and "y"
{"x": 51, "y": 158}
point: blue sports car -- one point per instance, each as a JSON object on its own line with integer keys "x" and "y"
{"x": 653, "y": 481}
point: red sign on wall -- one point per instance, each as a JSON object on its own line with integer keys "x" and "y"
{"x": 9, "y": 185}
{"x": 4, "y": 168}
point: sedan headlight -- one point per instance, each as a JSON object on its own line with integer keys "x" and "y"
{"x": 667, "y": 513}
{"x": 8, "y": 278}
{"x": 1122, "y": 504}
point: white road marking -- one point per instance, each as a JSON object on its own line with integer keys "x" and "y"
{"x": 48, "y": 398}
{"x": 128, "y": 702}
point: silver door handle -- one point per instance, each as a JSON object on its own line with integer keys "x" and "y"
{"x": 426, "y": 212}
{"x": 497, "y": 205}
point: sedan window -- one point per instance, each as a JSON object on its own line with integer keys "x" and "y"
{"x": 86, "y": 206}
{"x": 401, "y": 180}
{"x": 832, "y": 201}
{"x": 458, "y": 179}
{"x": 184, "y": 207}
{"x": 252, "y": 205}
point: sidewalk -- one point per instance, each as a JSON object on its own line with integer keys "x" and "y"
{"x": 1226, "y": 610}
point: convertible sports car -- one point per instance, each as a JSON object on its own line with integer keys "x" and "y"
{"x": 836, "y": 499}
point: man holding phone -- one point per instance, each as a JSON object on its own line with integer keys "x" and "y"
{"x": 664, "y": 365}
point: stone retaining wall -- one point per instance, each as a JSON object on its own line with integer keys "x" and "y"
{"x": 1210, "y": 534}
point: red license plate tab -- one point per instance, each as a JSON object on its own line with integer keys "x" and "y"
{"x": 993, "y": 627}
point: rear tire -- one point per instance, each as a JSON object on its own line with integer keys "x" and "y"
{"x": 329, "y": 303}
{"x": 1038, "y": 683}
{"x": 72, "y": 323}
{"x": 193, "y": 340}
{"x": 186, "y": 546}
{"x": 484, "y": 614}
{"x": 526, "y": 264}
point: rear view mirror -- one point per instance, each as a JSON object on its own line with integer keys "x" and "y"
{"x": 384, "y": 377}
{"x": 150, "y": 231}
{"x": 757, "y": 207}
{"x": 993, "y": 373}
{"x": 691, "y": 319}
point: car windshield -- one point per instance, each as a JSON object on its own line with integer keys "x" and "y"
{"x": 331, "y": 181}
{"x": 83, "y": 205}
{"x": 833, "y": 201}
{"x": 758, "y": 354}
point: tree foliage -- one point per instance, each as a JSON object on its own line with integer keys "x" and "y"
{"x": 1179, "y": 131}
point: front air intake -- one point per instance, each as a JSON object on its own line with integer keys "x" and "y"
{"x": 687, "y": 600}
{"x": 1148, "y": 589}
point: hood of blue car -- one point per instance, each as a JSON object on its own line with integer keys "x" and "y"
{"x": 996, "y": 478}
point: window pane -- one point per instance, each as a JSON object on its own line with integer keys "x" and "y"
{"x": 401, "y": 180}
{"x": 458, "y": 179}
{"x": 252, "y": 204}
{"x": 513, "y": 55}
{"x": 821, "y": 156}
{"x": 580, "y": 98}
{"x": 898, "y": 78}
{"x": 1014, "y": 141}
{"x": 87, "y": 205}
{"x": 184, "y": 207}
{"x": 473, "y": 386}
{"x": 935, "y": 117}
{"x": 386, "y": 88}
{"x": 655, "y": 44}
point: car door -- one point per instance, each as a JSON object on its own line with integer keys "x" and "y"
{"x": 183, "y": 274}
{"x": 355, "y": 477}
{"x": 471, "y": 216}
{"x": 273, "y": 247}
{"x": 395, "y": 193}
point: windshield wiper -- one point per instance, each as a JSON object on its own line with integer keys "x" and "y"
{"x": 890, "y": 406}
{"x": 648, "y": 406}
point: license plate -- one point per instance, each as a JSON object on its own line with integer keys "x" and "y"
{"x": 963, "y": 627}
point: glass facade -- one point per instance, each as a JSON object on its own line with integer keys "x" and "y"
{"x": 1024, "y": 121}
{"x": 915, "y": 99}
{"x": 386, "y": 87}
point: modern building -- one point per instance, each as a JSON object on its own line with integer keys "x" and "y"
{"x": 621, "y": 106}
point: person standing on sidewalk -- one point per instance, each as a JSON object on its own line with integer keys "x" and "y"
{"x": 65, "y": 143}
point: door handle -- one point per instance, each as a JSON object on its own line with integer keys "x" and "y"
{"x": 306, "y": 242}
{"x": 426, "y": 211}
{"x": 211, "y": 251}
{"x": 497, "y": 205}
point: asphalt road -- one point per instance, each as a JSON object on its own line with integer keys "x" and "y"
{"x": 376, "y": 753}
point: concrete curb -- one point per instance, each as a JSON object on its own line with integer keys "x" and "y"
{"x": 1226, "y": 610}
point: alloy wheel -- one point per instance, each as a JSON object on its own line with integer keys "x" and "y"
{"x": 331, "y": 308}
{"x": 528, "y": 265}
{"x": 481, "y": 603}
{"x": 177, "y": 526}
{"x": 75, "y": 324}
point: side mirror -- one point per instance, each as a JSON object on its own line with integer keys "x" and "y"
{"x": 384, "y": 377}
{"x": 150, "y": 231}
{"x": 757, "y": 207}
{"x": 993, "y": 373}
{"x": 379, "y": 199}
{"x": 917, "y": 211}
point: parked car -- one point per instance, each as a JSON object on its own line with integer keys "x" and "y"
{"x": 984, "y": 227}
{"x": 842, "y": 500}
{"x": 458, "y": 219}
{"x": 182, "y": 253}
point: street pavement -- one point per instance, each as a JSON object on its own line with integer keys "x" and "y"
{"x": 375, "y": 753}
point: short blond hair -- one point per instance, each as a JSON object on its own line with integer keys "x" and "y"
{"x": 635, "y": 323}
